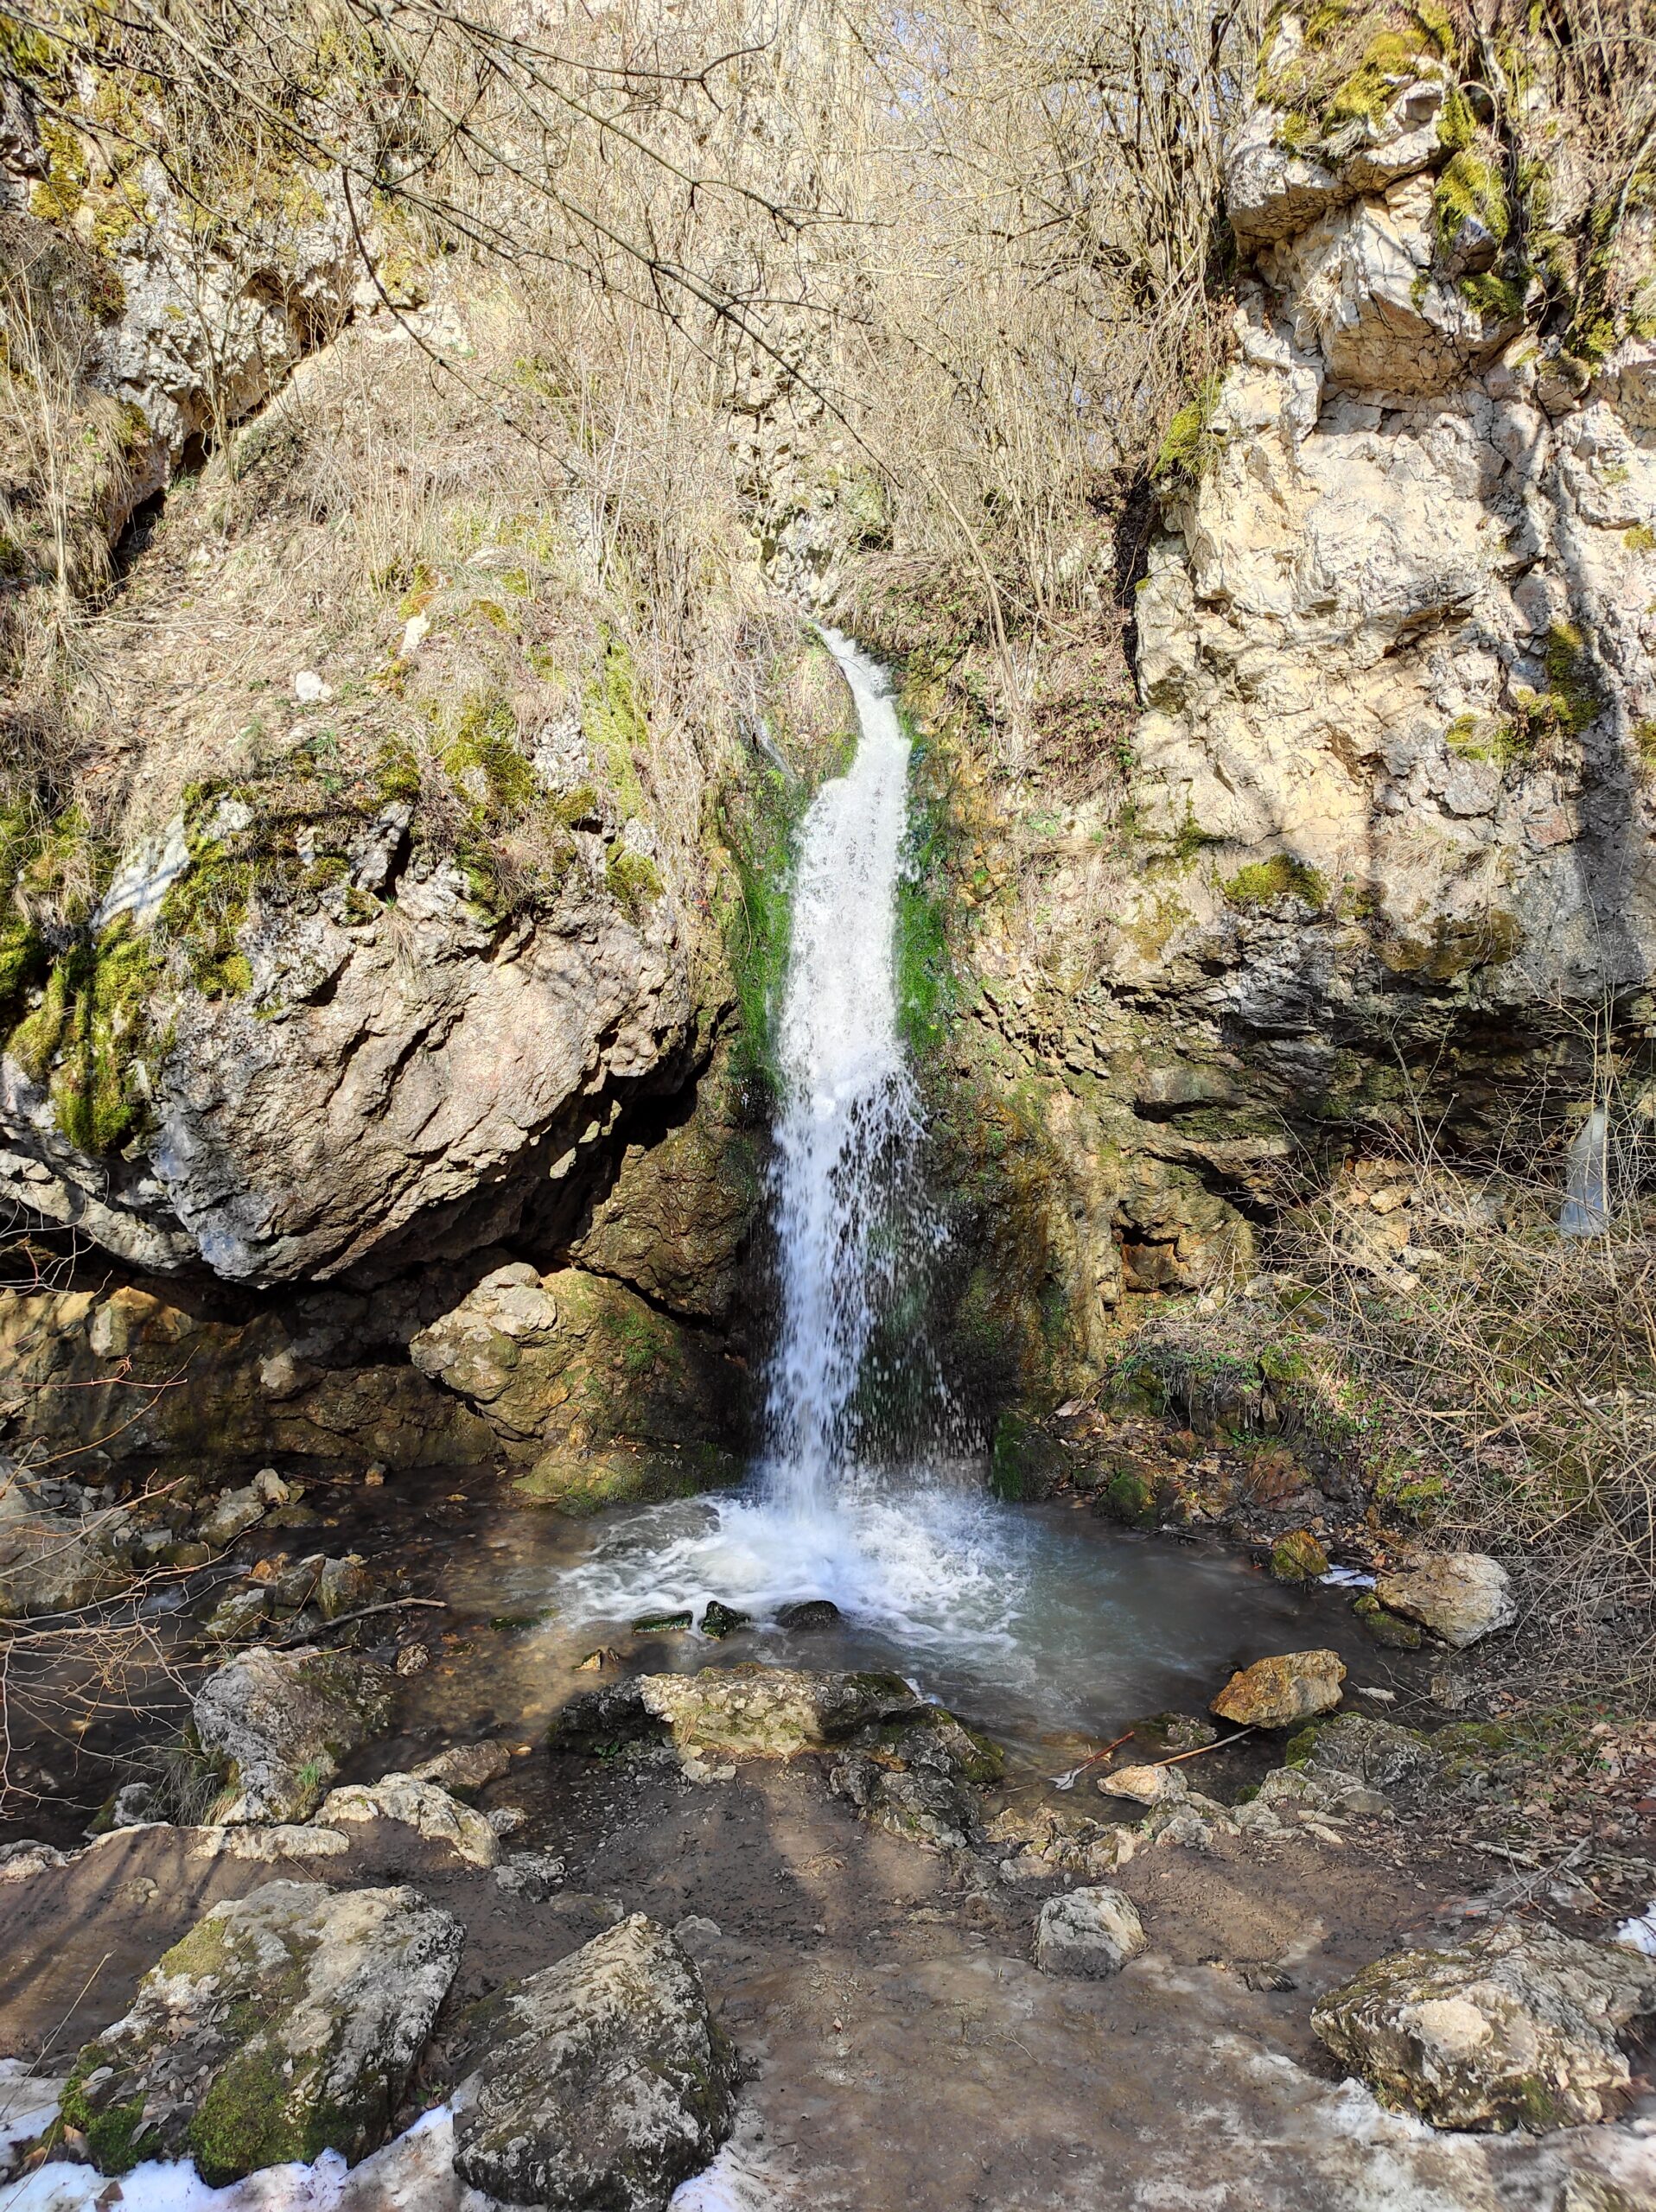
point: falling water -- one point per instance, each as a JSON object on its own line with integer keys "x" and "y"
{"x": 848, "y": 1120}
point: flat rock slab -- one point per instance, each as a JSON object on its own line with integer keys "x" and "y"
{"x": 282, "y": 1721}
{"x": 750, "y": 1711}
{"x": 285, "y": 2024}
{"x": 422, "y": 1806}
{"x": 1516, "y": 2028}
{"x": 1460, "y": 1596}
{"x": 602, "y": 2083}
{"x": 1089, "y": 1933}
{"x": 1277, "y": 1692}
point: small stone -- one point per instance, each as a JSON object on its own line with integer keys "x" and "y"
{"x": 1146, "y": 1785}
{"x": 374, "y": 1478}
{"x": 1088, "y": 1934}
{"x": 719, "y": 1621}
{"x": 662, "y": 1623}
{"x": 310, "y": 689}
{"x": 1275, "y": 1692}
{"x": 808, "y": 1614}
{"x": 531, "y": 1875}
{"x": 233, "y": 1515}
{"x": 413, "y": 1659}
{"x": 268, "y": 1487}
{"x": 422, "y": 1806}
{"x": 595, "y": 1661}
{"x": 1460, "y": 1596}
{"x": 507, "y": 1819}
{"x": 1298, "y": 1557}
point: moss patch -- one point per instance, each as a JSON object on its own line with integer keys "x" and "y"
{"x": 1263, "y": 882}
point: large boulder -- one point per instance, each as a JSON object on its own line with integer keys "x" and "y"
{"x": 1460, "y": 1596}
{"x": 1518, "y": 2027}
{"x": 1377, "y": 1752}
{"x": 282, "y": 1721}
{"x": 1277, "y": 1692}
{"x": 1089, "y": 1934}
{"x": 599, "y": 2085}
{"x": 285, "y": 2024}
{"x": 746, "y": 1711}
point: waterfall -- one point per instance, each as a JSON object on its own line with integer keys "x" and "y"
{"x": 848, "y": 1115}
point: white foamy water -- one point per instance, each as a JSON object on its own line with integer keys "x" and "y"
{"x": 847, "y": 1119}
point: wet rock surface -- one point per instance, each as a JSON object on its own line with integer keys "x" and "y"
{"x": 599, "y": 2085}
{"x": 425, "y": 1807}
{"x": 738, "y": 1712}
{"x": 284, "y": 2024}
{"x": 1519, "y": 2027}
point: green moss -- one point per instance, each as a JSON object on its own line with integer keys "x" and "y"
{"x": 1389, "y": 61}
{"x": 1644, "y": 742}
{"x": 484, "y": 760}
{"x": 1641, "y": 538}
{"x": 615, "y": 723}
{"x": 116, "y": 2135}
{"x": 1298, "y": 1557}
{"x": 1300, "y": 1745}
{"x": 1476, "y": 738}
{"x": 928, "y": 989}
{"x": 1129, "y": 1496}
{"x": 84, "y": 1041}
{"x": 1188, "y": 445}
{"x": 396, "y": 773}
{"x": 1387, "y": 1629}
{"x": 1262, "y": 882}
{"x": 634, "y": 879}
{"x": 245, "y": 2120}
{"x": 1469, "y": 190}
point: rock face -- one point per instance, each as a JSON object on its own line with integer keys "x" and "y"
{"x": 322, "y": 1378}
{"x": 750, "y": 1712}
{"x": 569, "y": 1368}
{"x": 1089, "y": 1933}
{"x": 281, "y": 1721}
{"x": 51, "y": 1560}
{"x": 1516, "y": 2028}
{"x": 286, "y": 2023}
{"x": 1275, "y": 1692}
{"x": 599, "y": 2085}
{"x": 1462, "y": 1596}
{"x": 417, "y": 1078}
{"x": 1393, "y": 635}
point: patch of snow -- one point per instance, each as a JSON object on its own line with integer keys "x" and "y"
{"x": 742, "y": 2178}
{"x": 1640, "y": 1934}
{"x": 310, "y": 689}
{"x": 415, "y": 2173}
{"x": 144, "y": 878}
{"x": 1346, "y": 1577}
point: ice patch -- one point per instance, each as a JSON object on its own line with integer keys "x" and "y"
{"x": 143, "y": 879}
{"x": 1346, "y": 1577}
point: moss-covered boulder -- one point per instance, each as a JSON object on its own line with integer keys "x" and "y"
{"x": 1518, "y": 2027}
{"x": 1388, "y": 1629}
{"x": 1298, "y": 1557}
{"x": 917, "y": 1776}
{"x": 746, "y": 1711}
{"x": 285, "y": 2024}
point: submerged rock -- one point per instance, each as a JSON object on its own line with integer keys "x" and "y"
{"x": 1460, "y": 1596}
{"x": 465, "y": 1767}
{"x": 422, "y": 1806}
{"x": 748, "y": 1712}
{"x": 285, "y": 2024}
{"x": 1088, "y": 1934}
{"x": 1516, "y": 2028}
{"x": 281, "y": 1721}
{"x": 1388, "y": 1629}
{"x": 599, "y": 2085}
{"x": 1275, "y": 1692}
{"x": 808, "y": 1614}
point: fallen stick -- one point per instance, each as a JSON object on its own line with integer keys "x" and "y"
{"x": 390, "y": 1605}
{"x": 1218, "y": 1744}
